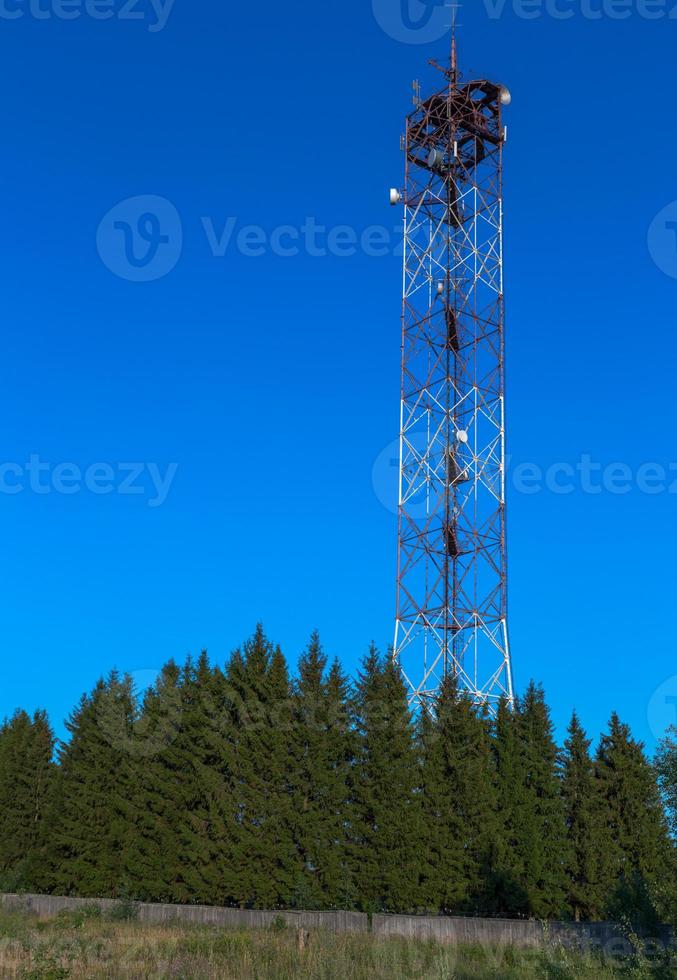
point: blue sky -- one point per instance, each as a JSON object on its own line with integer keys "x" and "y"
{"x": 264, "y": 387}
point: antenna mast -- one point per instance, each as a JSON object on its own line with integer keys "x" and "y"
{"x": 452, "y": 568}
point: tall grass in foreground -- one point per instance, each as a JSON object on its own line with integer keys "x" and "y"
{"x": 85, "y": 946}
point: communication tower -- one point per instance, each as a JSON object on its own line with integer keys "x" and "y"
{"x": 452, "y": 574}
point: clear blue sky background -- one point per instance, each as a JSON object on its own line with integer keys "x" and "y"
{"x": 273, "y": 382}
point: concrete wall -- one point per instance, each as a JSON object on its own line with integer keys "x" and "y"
{"x": 449, "y": 930}
{"x": 48, "y": 906}
{"x": 456, "y": 931}
{"x": 460, "y": 931}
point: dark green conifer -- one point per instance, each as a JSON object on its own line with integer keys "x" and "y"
{"x": 323, "y": 747}
{"x": 505, "y": 888}
{"x": 459, "y": 802}
{"x": 585, "y": 828}
{"x": 639, "y": 857}
{"x": 266, "y": 862}
{"x": 89, "y": 812}
{"x": 204, "y": 753}
{"x": 183, "y": 810}
{"x": 239, "y": 787}
{"x": 387, "y": 811}
{"x": 666, "y": 767}
{"x": 545, "y": 842}
{"x": 529, "y": 872}
{"x": 155, "y": 804}
{"x": 26, "y": 774}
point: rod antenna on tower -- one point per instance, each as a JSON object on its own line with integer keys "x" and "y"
{"x": 454, "y": 55}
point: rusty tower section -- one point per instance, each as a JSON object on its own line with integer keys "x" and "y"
{"x": 452, "y": 576}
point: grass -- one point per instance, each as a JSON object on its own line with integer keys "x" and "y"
{"x": 88, "y": 946}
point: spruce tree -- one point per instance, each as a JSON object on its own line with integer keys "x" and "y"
{"x": 433, "y": 828}
{"x": 183, "y": 811}
{"x": 337, "y": 873}
{"x": 265, "y": 860}
{"x": 26, "y": 774}
{"x": 505, "y": 887}
{"x": 666, "y": 767}
{"x": 585, "y": 828}
{"x": 459, "y": 802}
{"x": 89, "y": 811}
{"x": 545, "y": 843}
{"x": 155, "y": 804}
{"x": 387, "y": 813}
{"x": 202, "y": 759}
{"x": 530, "y": 869}
{"x": 639, "y": 855}
{"x": 322, "y": 746}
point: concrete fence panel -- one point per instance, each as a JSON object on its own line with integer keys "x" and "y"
{"x": 49, "y": 906}
{"x": 452, "y": 930}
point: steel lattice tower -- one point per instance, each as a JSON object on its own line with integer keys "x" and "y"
{"x": 452, "y": 576}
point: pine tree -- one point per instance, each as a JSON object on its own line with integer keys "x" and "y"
{"x": 639, "y": 854}
{"x": 265, "y": 860}
{"x": 323, "y": 748}
{"x": 26, "y": 774}
{"x": 584, "y": 827}
{"x": 458, "y": 800}
{"x": 387, "y": 813}
{"x": 89, "y": 811}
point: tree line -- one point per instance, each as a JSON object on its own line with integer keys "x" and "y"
{"x": 244, "y": 786}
